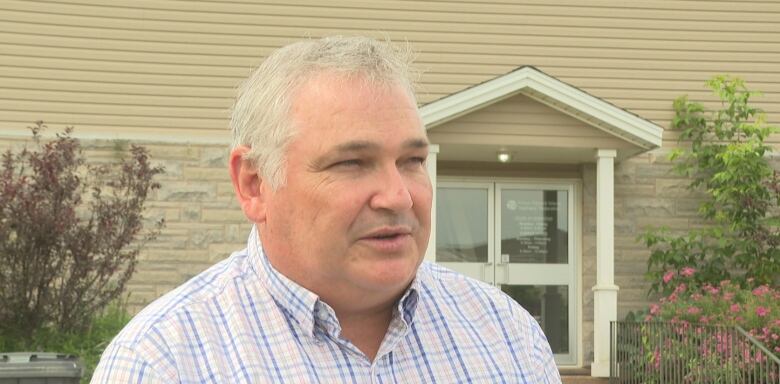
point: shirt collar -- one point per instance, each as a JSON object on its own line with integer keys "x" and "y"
{"x": 304, "y": 306}
{"x": 297, "y": 301}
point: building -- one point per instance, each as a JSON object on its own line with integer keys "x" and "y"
{"x": 578, "y": 97}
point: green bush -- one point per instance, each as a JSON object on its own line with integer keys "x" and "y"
{"x": 88, "y": 344}
{"x": 724, "y": 154}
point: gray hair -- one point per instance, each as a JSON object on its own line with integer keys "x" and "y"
{"x": 261, "y": 114}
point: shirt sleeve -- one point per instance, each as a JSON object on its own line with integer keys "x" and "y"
{"x": 542, "y": 363}
{"x": 542, "y": 355}
{"x": 120, "y": 364}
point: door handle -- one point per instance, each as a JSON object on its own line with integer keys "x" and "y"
{"x": 488, "y": 272}
{"x": 502, "y": 272}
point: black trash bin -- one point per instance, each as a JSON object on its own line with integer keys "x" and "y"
{"x": 39, "y": 368}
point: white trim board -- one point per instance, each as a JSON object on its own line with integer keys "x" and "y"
{"x": 548, "y": 90}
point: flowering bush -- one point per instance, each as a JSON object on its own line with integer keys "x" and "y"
{"x": 757, "y": 310}
{"x": 690, "y": 336}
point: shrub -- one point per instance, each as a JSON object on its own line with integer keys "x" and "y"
{"x": 70, "y": 233}
{"x": 727, "y": 161}
{"x": 756, "y": 310}
{"x": 690, "y": 332}
{"x": 87, "y": 344}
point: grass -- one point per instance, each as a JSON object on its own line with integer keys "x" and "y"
{"x": 87, "y": 345}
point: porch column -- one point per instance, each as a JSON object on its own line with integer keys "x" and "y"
{"x": 605, "y": 290}
{"x": 433, "y": 150}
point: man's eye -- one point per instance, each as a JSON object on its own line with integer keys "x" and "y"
{"x": 351, "y": 163}
{"x": 415, "y": 162}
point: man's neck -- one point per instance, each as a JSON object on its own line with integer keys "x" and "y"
{"x": 366, "y": 330}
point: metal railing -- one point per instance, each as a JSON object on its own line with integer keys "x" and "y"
{"x": 663, "y": 352}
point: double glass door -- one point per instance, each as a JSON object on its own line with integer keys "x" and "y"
{"x": 519, "y": 237}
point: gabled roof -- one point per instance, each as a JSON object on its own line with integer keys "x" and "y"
{"x": 548, "y": 90}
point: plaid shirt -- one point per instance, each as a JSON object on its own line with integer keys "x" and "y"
{"x": 241, "y": 321}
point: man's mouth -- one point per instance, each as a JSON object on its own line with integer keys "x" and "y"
{"x": 388, "y": 236}
{"x": 388, "y": 233}
{"x": 391, "y": 239}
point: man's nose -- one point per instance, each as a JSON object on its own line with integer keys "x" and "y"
{"x": 393, "y": 192}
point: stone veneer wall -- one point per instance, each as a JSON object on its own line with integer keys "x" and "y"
{"x": 204, "y": 223}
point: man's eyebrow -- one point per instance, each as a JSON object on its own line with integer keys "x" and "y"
{"x": 365, "y": 145}
{"x": 354, "y": 146}
{"x": 322, "y": 161}
{"x": 416, "y": 143}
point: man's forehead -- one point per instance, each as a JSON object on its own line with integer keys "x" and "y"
{"x": 333, "y": 99}
{"x": 351, "y": 86}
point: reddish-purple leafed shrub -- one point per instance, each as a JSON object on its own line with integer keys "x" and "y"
{"x": 70, "y": 232}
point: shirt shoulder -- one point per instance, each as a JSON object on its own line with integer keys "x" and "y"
{"x": 203, "y": 288}
{"x": 463, "y": 301}
{"x": 168, "y": 324}
{"x": 470, "y": 297}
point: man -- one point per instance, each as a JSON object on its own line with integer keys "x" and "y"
{"x": 329, "y": 163}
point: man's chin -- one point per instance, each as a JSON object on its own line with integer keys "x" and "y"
{"x": 390, "y": 273}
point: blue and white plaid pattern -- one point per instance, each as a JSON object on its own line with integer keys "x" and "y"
{"x": 243, "y": 322}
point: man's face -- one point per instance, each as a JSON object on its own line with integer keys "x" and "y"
{"x": 354, "y": 212}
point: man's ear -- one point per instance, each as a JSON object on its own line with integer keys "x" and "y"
{"x": 248, "y": 184}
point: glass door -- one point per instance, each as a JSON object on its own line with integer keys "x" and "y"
{"x": 464, "y": 229}
{"x": 519, "y": 237}
{"x": 535, "y": 238}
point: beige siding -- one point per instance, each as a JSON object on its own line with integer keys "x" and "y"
{"x": 169, "y": 67}
{"x": 518, "y": 116}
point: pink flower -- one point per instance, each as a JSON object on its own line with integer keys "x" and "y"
{"x": 762, "y": 311}
{"x": 704, "y": 319}
{"x": 728, "y": 296}
{"x": 725, "y": 283}
{"x": 657, "y": 358}
{"x": 711, "y": 290}
{"x": 687, "y": 272}
{"x": 735, "y": 308}
{"x": 655, "y": 309}
{"x": 694, "y": 310}
{"x": 680, "y": 288}
{"x": 668, "y": 276}
{"x": 761, "y": 291}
